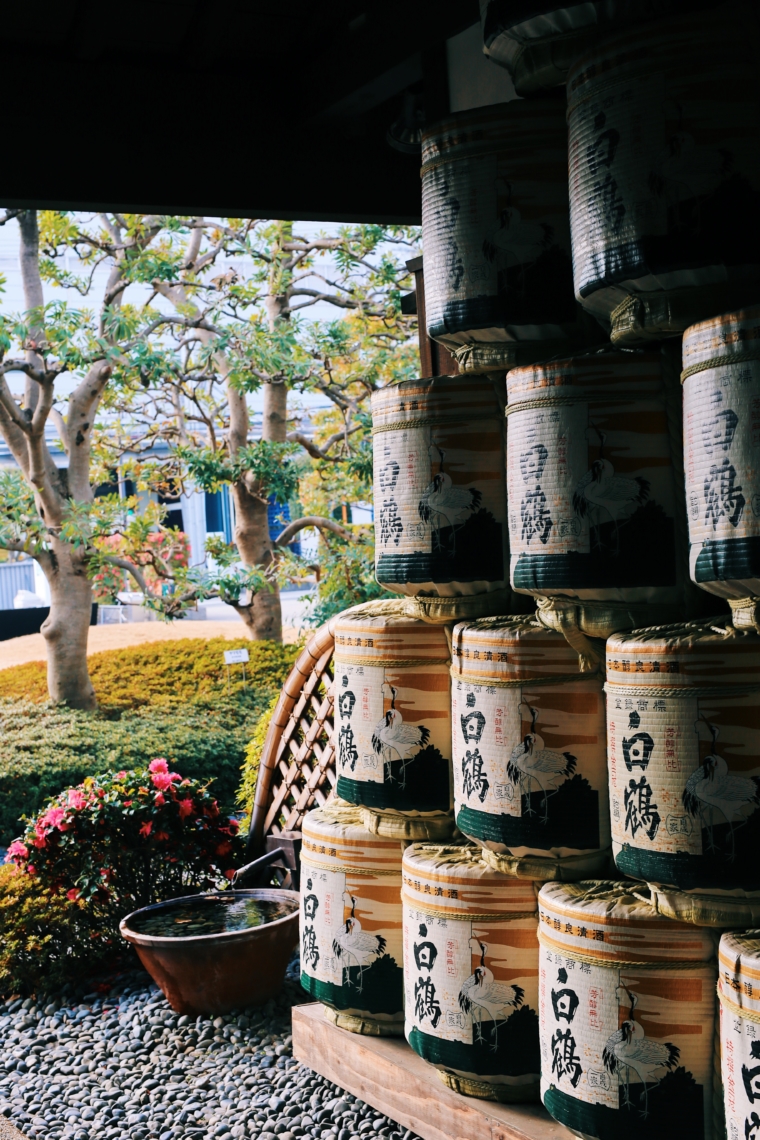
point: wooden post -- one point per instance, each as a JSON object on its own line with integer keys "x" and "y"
{"x": 435, "y": 360}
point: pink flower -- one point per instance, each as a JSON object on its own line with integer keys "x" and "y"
{"x": 17, "y": 850}
{"x": 77, "y": 799}
{"x": 185, "y": 808}
{"x": 53, "y": 817}
{"x": 121, "y": 775}
{"x": 159, "y": 765}
{"x": 163, "y": 780}
{"x": 146, "y": 829}
{"x": 72, "y": 895}
{"x": 229, "y": 873}
{"x": 160, "y": 799}
{"x": 224, "y": 847}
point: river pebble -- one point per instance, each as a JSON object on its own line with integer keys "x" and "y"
{"x": 123, "y": 1064}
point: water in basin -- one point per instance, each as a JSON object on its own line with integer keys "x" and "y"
{"x": 211, "y": 915}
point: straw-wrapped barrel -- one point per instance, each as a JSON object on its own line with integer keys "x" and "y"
{"x": 721, "y": 407}
{"x": 471, "y": 972}
{"x": 529, "y": 749}
{"x": 495, "y": 228}
{"x": 627, "y": 1016}
{"x": 351, "y": 941}
{"x": 683, "y": 737}
{"x": 597, "y": 522}
{"x": 739, "y": 996}
{"x": 538, "y": 47}
{"x": 393, "y": 720}
{"x": 665, "y": 172}
{"x": 440, "y": 497}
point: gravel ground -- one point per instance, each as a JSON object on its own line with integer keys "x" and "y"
{"x": 126, "y": 1065}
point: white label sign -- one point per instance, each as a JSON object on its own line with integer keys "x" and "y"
{"x": 236, "y": 656}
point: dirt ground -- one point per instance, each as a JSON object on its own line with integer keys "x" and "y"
{"x": 19, "y": 650}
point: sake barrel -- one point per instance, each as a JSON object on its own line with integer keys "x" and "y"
{"x": 440, "y": 499}
{"x": 721, "y": 407}
{"x": 351, "y": 926}
{"x": 495, "y": 229}
{"x": 537, "y": 47}
{"x": 392, "y": 720}
{"x": 529, "y": 749}
{"x": 665, "y": 173}
{"x": 683, "y": 739}
{"x": 471, "y": 972}
{"x": 627, "y": 1015}
{"x": 597, "y": 525}
{"x": 739, "y": 996}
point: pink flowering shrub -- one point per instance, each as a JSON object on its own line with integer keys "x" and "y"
{"x": 123, "y": 840}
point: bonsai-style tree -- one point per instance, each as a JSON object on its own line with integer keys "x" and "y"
{"x": 193, "y": 316}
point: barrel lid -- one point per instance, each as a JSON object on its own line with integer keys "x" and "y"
{"x": 381, "y": 631}
{"x": 739, "y": 970}
{"x": 515, "y": 648}
{"x": 334, "y": 837}
{"x": 595, "y": 374}
{"x": 685, "y": 655}
{"x": 489, "y": 128}
{"x": 444, "y": 398}
{"x": 455, "y": 879}
{"x": 613, "y": 922}
{"x": 732, "y": 336}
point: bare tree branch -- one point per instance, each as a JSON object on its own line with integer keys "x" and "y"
{"x": 293, "y": 528}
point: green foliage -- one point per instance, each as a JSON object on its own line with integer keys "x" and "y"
{"x": 266, "y": 461}
{"x": 251, "y": 763}
{"x": 20, "y": 524}
{"x": 347, "y": 575}
{"x": 114, "y": 843}
{"x": 48, "y": 747}
{"x": 45, "y": 941}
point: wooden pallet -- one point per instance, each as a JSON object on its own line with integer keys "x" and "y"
{"x": 386, "y": 1074}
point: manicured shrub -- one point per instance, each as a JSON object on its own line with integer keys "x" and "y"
{"x": 46, "y": 748}
{"x": 116, "y": 842}
{"x": 166, "y": 672}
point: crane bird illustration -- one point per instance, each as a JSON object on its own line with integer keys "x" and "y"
{"x": 482, "y": 997}
{"x": 514, "y": 240}
{"x": 530, "y": 761}
{"x": 394, "y": 740}
{"x": 355, "y": 948}
{"x": 602, "y": 491}
{"x": 629, "y": 1050}
{"x": 712, "y": 788}
{"x": 442, "y": 504}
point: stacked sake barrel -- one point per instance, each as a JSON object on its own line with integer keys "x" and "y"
{"x": 739, "y": 996}
{"x": 440, "y": 501}
{"x": 539, "y": 47}
{"x": 595, "y": 491}
{"x": 471, "y": 972}
{"x": 495, "y": 229}
{"x": 683, "y": 732}
{"x": 351, "y": 927}
{"x": 627, "y": 1016}
{"x": 392, "y": 720}
{"x": 665, "y": 172}
{"x": 529, "y": 750}
{"x": 721, "y": 392}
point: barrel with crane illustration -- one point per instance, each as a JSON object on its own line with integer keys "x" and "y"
{"x": 683, "y": 738}
{"x": 721, "y": 408}
{"x": 393, "y": 720}
{"x": 471, "y": 972}
{"x": 539, "y": 44}
{"x": 529, "y": 749}
{"x": 665, "y": 172}
{"x": 495, "y": 229}
{"x": 597, "y": 523}
{"x": 350, "y": 925}
{"x": 739, "y": 997}
{"x": 440, "y": 500}
{"x": 627, "y": 1015}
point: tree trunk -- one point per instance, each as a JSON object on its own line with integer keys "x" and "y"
{"x": 263, "y": 617}
{"x": 67, "y": 627}
{"x": 274, "y": 423}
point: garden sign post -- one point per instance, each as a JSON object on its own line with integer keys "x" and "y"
{"x": 235, "y": 657}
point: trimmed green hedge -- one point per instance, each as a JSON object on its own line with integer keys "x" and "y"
{"x": 46, "y": 748}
